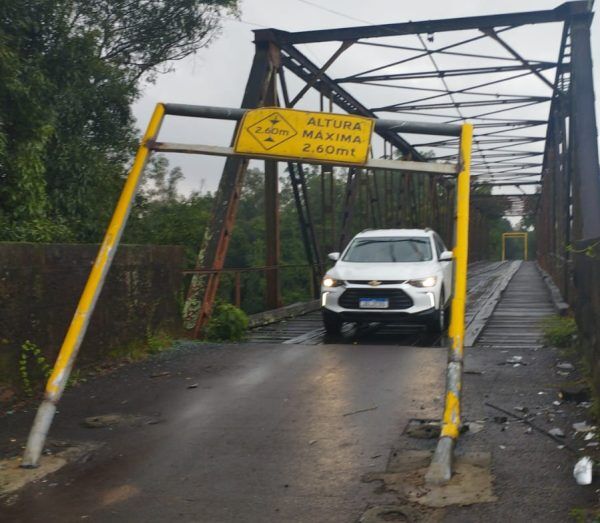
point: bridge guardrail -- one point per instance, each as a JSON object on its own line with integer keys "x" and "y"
{"x": 236, "y": 273}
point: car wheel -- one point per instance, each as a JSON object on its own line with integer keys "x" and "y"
{"x": 332, "y": 323}
{"x": 448, "y": 312}
{"x": 437, "y": 320}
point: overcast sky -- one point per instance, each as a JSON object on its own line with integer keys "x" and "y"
{"x": 217, "y": 75}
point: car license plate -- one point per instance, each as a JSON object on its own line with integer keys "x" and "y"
{"x": 373, "y": 303}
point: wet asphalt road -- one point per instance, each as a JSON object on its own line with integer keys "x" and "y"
{"x": 270, "y": 433}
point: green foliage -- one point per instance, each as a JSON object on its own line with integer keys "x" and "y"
{"x": 591, "y": 251}
{"x": 138, "y": 350}
{"x": 585, "y": 515}
{"x": 560, "y": 331}
{"x": 228, "y": 323}
{"x": 162, "y": 216}
{"x": 70, "y": 70}
{"x": 32, "y": 367}
{"x": 158, "y": 341}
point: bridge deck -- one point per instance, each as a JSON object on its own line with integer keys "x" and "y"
{"x": 308, "y": 330}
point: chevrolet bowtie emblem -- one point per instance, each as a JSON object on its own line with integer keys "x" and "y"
{"x": 374, "y": 283}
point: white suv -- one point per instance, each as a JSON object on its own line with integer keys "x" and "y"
{"x": 389, "y": 276}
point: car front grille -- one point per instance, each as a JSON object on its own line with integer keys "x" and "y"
{"x": 381, "y": 282}
{"x": 397, "y": 298}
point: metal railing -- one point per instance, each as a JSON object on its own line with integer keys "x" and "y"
{"x": 235, "y": 274}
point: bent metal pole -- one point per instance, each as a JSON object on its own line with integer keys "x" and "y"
{"x": 440, "y": 469}
{"x": 66, "y": 357}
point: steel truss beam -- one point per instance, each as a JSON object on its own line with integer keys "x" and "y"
{"x": 499, "y": 116}
{"x": 559, "y": 14}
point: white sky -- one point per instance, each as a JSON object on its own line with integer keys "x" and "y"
{"x": 217, "y": 75}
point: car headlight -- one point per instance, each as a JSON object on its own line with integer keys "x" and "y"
{"x": 328, "y": 281}
{"x": 430, "y": 281}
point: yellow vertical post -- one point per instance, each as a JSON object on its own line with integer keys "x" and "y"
{"x": 74, "y": 337}
{"x": 440, "y": 469}
{"x": 503, "y": 246}
{"x": 461, "y": 248}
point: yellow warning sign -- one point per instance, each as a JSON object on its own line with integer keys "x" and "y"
{"x": 331, "y": 138}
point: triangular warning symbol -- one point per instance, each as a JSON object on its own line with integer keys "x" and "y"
{"x": 269, "y": 139}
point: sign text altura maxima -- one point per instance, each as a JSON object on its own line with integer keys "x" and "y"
{"x": 335, "y": 138}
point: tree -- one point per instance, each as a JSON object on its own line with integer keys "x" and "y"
{"x": 162, "y": 216}
{"x": 70, "y": 70}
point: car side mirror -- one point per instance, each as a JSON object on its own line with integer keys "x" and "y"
{"x": 334, "y": 256}
{"x": 447, "y": 256}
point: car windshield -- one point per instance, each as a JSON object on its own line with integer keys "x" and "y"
{"x": 389, "y": 250}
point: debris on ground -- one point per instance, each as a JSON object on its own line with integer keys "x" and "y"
{"x": 360, "y": 410}
{"x": 582, "y": 472}
{"x": 582, "y": 426}
{"x": 160, "y": 374}
{"x": 192, "y": 386}
{"x": 556, "y": 434}
{"x": 475, "y": 426}
{"x": 565, "y": 366}
{"x": 575, "y": 393}
{"x": 423, "y": 429}
{"x": 114, "y": 420}
{"x": 515, "y": 361}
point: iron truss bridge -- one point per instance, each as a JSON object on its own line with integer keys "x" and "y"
{"x": 509, "y": 74}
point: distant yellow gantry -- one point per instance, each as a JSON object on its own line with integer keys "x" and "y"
{"x": 522, "y": 235}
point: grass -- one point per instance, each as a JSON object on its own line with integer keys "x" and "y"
{"x": 560, "y": 332}
{"x": 154, "y": 343}
{"x": 583, "y": 515}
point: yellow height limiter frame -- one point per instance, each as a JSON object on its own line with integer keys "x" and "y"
{"x": 302, "y": 125}
{"x": 523, "y": 235}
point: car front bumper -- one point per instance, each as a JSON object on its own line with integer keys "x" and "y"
{"x": 424, "y": 302}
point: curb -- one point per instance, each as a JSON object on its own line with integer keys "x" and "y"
{"x": 560, "y": 305}
{"x": 479, "y": 320}
{"x": 289, "y": 311}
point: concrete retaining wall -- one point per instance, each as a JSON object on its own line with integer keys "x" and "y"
{"x": 40, "y": 285}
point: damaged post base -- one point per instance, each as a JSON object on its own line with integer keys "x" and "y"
{"x": 37, "y": 436}
{"x": 440, "y": 469}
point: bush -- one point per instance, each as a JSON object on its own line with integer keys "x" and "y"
{"x": 228, "y": 323}
{"x": 560, "y": 332}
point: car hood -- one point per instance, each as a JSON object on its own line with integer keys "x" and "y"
{"x": 383, "y": 271}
